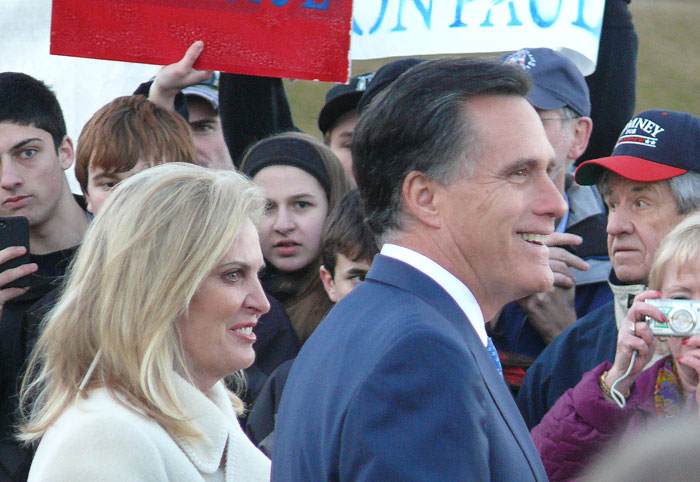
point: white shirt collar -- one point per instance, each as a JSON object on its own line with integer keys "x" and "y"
{"x": 454, "y": 287}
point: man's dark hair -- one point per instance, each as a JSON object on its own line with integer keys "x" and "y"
{"x": 26, "y": 101}
{"x": 421, "y": 123}
{"x": 346, "y": 232}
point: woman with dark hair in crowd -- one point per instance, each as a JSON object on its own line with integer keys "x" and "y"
{"x": 303, "y": 180}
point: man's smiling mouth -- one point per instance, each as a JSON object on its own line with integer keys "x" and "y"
{"x": 533, "y": 237}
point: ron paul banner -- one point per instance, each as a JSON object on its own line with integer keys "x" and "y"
{"x": 394, "y": 28}
{"x": 301, "y": 39}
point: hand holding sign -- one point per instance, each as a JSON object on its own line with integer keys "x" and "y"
{"x": 172, "y": 78}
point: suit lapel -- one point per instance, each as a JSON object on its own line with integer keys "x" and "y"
{"x": 502, "y": 398}
{"x": 403, "y": 276}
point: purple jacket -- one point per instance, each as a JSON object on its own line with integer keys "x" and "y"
{"x": 582, "y": 422}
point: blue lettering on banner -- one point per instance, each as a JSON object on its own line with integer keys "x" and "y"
{"x": 458, "y": 14}
{"x": 318, "y": 6}
{"x": 539, "y": 19}
{"x": 380, "y": 19}
{"x": 307, "y": 4}
{"x": 425, "y": 12}
{"x": 356, "y": 28}
{"x": 514, "y": 21}
{"x": 580, "y": 22}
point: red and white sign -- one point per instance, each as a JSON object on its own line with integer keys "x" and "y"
{"x": 299, "y": 39}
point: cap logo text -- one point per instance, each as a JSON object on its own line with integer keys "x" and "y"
{"x": 635, "y": 130}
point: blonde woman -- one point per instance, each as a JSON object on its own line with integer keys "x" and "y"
{"x": 125, "y": 382}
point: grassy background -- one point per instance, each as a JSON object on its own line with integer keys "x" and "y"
{"x": 668, "y": 65}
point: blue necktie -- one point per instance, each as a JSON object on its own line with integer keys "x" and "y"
{"x": 494, "y": 355}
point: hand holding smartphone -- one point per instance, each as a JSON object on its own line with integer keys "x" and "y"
{"x": 14, "y": 233}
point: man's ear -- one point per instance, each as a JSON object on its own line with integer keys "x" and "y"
{"x": 328, "y": 283}
{"x": 419, "y": 199}
{"x": 66, "y": 153}
{"x": 582, "y": 128}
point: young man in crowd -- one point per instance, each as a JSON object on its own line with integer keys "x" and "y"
{"x": 248, "y": 108}
{"x": 195, "y": 95}
{"x": 338, "y": 117}
{"x": 650, "y": 183}
{"x": 348, "y": 247}
{"x": 35, "y": 151}
{"x": 205, "y": 123}
{"x": 124, "y": 137}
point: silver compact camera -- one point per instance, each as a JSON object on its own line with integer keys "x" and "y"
{"x": 682, "y": 315}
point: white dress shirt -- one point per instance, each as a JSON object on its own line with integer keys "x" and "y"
{"x": 454, "y": 287}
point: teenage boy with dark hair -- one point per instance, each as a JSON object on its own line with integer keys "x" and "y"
{"x": 34, "y": 153}
{"x": 347, "y": 249}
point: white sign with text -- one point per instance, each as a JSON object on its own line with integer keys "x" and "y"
{"x": 398, "y": 28}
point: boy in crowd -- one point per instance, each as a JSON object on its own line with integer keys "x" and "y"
{"x": 339, "y": 115}
{"x": 34, "y": 153}
{"x": 347, "y": 249}
{"x": 124, "y": 137}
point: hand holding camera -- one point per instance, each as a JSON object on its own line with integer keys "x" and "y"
{"x": 634, "y": 336}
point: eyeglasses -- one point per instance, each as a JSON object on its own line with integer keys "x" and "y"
{"x": 559, "y": 118}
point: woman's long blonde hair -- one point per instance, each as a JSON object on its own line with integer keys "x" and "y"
{"x": 158, "y": 236}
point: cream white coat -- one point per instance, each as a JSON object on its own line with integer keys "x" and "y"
{"x": 98, "y": 438}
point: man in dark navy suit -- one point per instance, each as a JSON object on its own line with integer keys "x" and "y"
{"x": 400, "y": 381}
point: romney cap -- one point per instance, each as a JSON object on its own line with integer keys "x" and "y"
{"x": 654, "y": 145}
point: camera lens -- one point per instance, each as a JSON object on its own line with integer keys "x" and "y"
{"x": 681, "y": 321}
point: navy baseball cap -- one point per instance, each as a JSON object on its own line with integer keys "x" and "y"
{"x": 384, "y": 77}
{"x": 556, "y": 81}
{"x": 654, "y": 145}
{"x": 342, "y": 98}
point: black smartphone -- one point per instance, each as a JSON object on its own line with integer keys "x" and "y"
{"x": 15, "y": 232}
